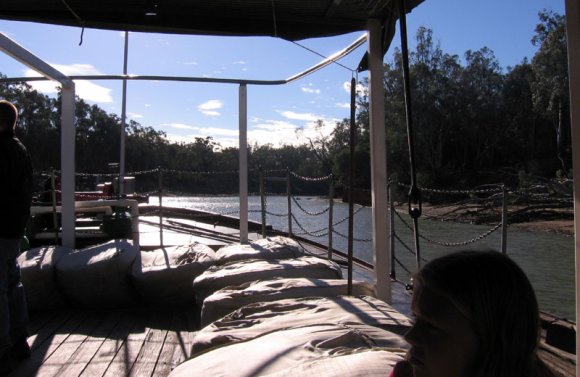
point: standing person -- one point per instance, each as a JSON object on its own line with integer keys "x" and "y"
{"x": 15, "y": 201}
{"x": 476, "y": 315}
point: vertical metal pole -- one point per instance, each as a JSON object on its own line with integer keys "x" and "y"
{"x": 504, "y": 220}
{"x": 243, "y": 148}
{"x": 54, "y": 216}
{"x": 330, "y": 216}
{"x": 573, "y": 33}
{"x": 414, "y": 193}
{"x": 352, "y": 142}
{"x": 289, "y": 196}
{"x": 392, "y": 233}
{"x": 381, "y": 256}
{"x": 121, "y": 191}
{"x": 67, "y": 178}
{"x": 160, "y": 174}
{"x": 263, "y": 202}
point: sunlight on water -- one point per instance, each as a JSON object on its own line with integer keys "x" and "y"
{"x": 548, "y": 259}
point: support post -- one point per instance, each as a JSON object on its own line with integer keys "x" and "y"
{"x": 54, "y": 212}
{"x": 573, "y": 33}
{"x": 380, "y": 226}
{"x": 243, "y": 137}
{"x": 67, "y": 155}
{"x": 392, "y": 232}
{"x": 160, "y": 176}
{"x": 289, "y": 197}
{"x": 330, "y": 216}
{"x": 121, "y": 186}
{"x": 351, "y": 144}
{"x": 504, "y": 220}
{"x": 263, "y": 202}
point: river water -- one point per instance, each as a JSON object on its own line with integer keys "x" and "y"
{"x": 547, "y": 259}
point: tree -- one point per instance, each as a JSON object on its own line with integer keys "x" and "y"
{"x": 550, "y": 87}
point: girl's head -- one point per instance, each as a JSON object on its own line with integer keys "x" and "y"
{"x": 8, "y": 117}
{"x": 476, "y": 315}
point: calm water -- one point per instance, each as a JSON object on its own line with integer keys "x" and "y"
{"x": 548, "y": 259}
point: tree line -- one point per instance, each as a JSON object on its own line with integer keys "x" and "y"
{"x": 475, "y": 123}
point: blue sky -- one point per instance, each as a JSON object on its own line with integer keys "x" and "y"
{"x": 276, "y": 114}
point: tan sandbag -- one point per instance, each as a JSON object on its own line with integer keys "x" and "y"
{"x": 231, "y": 298}
{"x": 276, "y": 247}
{"x": 37, "y": 270}
{"x": 98, "y": 276}
{"x": 236, "y": 273}
{"x": 164, "y": 277}
{"x": 260, "y": 318}
{"x": 283, "y": 351}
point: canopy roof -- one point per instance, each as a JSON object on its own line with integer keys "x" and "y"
{"x": 288, "y": 19}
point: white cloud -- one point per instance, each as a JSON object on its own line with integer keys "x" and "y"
{"x": 240, "y": 62}
{"x": 87, "y": 90}
{"x": 342, "y": 105}
{"x": 190, "y": 63}
{"x": 210, "y": 107}
{"x": 300, "y": 116}
{"x": 134, "y": 115}
{"x": 360, "y": 89}
{"x": 215, "y": 131}
{"x": 180, "y": 126}
{"x": 211, "y": 113}
{"x": 310, "y": 90}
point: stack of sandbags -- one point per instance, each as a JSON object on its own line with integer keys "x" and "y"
{"x": 319, "y": 350}
{"x": 236, "y": 273}
{"x": 164, "y": 277}
{"x": 231, "y": 298}
{"x": 98, "y": 276}
{"x": 277, "y": 247}
{"x": 260, "y": 318}
{"x": 37, "y": 269}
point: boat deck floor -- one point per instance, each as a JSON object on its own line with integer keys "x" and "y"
{"x": 151, "y": 342}
{"x": 132, "y": 342}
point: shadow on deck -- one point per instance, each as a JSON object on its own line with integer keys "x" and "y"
{"x": 132, "y": 342}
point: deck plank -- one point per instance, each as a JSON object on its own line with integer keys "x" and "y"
{"x": 62, "y": 355}
{"x": 151, "y": 350}
{"x": 85, "y": 353}
{"x": 46, "y": 342}
{"x": 176, "y": 348}
{"x": 127, "y": 354}
{"x": 111, "y": 346}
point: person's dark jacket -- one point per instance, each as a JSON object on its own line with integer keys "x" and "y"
{"x": 15, "y": 186}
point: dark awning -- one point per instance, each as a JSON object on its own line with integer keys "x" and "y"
{"x": 288, "y": 19}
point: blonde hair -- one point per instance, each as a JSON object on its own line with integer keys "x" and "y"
{"x": 495, "y": 295}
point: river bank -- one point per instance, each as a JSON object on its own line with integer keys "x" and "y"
{"x": 559, "y": 221}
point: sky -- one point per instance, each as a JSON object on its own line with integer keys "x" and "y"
{"x": 277, "y": 115}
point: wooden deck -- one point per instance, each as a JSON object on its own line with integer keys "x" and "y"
{"x": 151, "y": 342}
{"x": 136, "y": 342}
